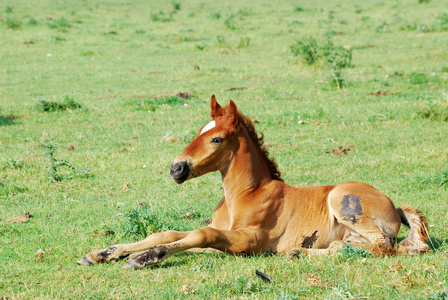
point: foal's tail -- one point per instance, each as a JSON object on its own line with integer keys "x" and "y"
{"x": 417, "y": 239}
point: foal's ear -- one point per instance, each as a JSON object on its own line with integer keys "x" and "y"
{"x": 215, "y": 109}
{"x": 232, "y": 113}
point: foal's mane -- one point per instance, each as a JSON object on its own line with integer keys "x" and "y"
{"x": 259, "y": 141}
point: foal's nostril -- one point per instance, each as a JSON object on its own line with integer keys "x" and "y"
{"x": 179, "y": 171}
{"x": 176, "y": 169}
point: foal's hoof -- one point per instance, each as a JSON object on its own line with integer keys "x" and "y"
{"x": 295, "y": 254}
{"x": 132, "y": 265}
{"x": 85, "y": 261}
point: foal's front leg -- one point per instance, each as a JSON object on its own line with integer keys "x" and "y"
{"x": 119, "y": 251}
{"x": 233, "y": 241}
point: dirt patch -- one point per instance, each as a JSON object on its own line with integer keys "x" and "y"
{"x": 380, "y": 94}
{"x": 316, "y": 280}
{"x": 341, "y": 150}
{"x": 236, "y": 89}
{"x": 19, "y": 219}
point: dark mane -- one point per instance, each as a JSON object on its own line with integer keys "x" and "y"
{"x": 259, "y": 140}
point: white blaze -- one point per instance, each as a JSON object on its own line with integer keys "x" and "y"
{"x": 207, "y": 127}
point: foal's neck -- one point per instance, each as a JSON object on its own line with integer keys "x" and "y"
{"x": 247, "y": 170}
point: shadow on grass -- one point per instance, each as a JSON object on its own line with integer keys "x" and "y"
{"x": 436, "y": 243}
{"x": 7, "y": 120}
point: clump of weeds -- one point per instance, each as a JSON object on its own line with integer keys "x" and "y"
{"x": 350, "y": 252}
{"x": 61, "y": 24}
{"x": 161, "y": 17}
{"x": 62, "y": 169}
{"x": 13, "y": 23}
{"x": 433, "y": 112}
{"x": 51, "y": 106}
{"x": 152, "y": 104}
{"x": 334, "y": 58}
{"x": 145, "y": 220}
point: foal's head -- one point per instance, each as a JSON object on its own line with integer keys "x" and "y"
{"x": 212, "y": 148}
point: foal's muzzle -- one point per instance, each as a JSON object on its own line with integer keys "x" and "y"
{"x": 179, "y": 171}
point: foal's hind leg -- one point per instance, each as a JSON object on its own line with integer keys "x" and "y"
{"x": 369, "y": 216}
{"x": 119, "y": 251}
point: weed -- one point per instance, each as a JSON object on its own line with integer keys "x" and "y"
{"x": 8, "y": 10}
{"x": 161, "y": 17}
{"x": 442, "y": 22}
{"x": 51, "y": 106}
{"x": 243, "y": 285}
{"x": 244, "y": 43}
{"x": 350, "y": 252}
{"x": 342, "y": 291}
{"x": 230, "y": 22}
{"x": 440, "y": 295}
{"x": 13, "y": 23}
{"x": 221, "y": 40}
{"x": 216, "y": 15}
{"x": 61, "y": 23}
{"x": 61, "y": 169}
{"x": 307, "y": 48}
{"x": 433, "y": 111}
{"x": 439, "y": 178}
{"x": 153, "y": 103}
{"x": 176, "y": 5}
{"x": 32, "y": 21}
{"x": 200, "y": 47}
{"x": 285, "y": 296}
{"x": 7, "y": 120}
{"x": 299, "y": 9}
{"x": 11, "y": 190}
{"x": 144, "y": 221}
{"x": 13, "y": 163}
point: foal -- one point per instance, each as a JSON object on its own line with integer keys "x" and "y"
{"x": 260, "y": 213}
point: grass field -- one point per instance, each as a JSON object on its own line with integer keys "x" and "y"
{"x": 89, "y": 125}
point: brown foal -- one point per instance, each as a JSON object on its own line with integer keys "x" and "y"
{"x": 260, "y": 213}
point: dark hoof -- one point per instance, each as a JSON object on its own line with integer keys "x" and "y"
{"x": 295, "y": 255}
{"x": 85, "y": 261}
{"x": 132, "y": 265}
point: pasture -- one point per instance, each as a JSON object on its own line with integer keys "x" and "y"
{"x": 98, "y": 97}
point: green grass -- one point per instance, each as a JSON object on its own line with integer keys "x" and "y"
{"x": 124, "y": 61}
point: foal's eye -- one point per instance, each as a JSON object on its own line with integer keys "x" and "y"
{"x": 217, "y": 140}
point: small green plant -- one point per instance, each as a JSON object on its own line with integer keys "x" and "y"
{"x": 350, "y": 252}
{"x": 32, "y": 21}
{"x": 216, "y": 15}
{"x": 442, "y": 24}
{"x": 13, "y": 23}
{"x": 307, "y": 48}
{"x": 13, "y": 163}
{"x": 336, "y": 58}
{"x": 51, "y": 106}
{"x": 342, "y": 291}
{"x": 153, "y": 103}
{"x": 61, "y": 169}
{"x": 285, "y": 296}
{"x": 11, "y": 190}
{"x": 418, "y": 78}
{"x": 433, "y": 112}
{"x": 244, "y": 42}
{"x": 298, "y": 9}
{"x": 161, "y": 17}
{"x": 440, "y": 295}
{"x": 144, "y": 221}
{"x": 61, "y": 23}
{"x": 176, "y": 5}
{"x": 8, "y": 10}
{"x": 230, "y": 22}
